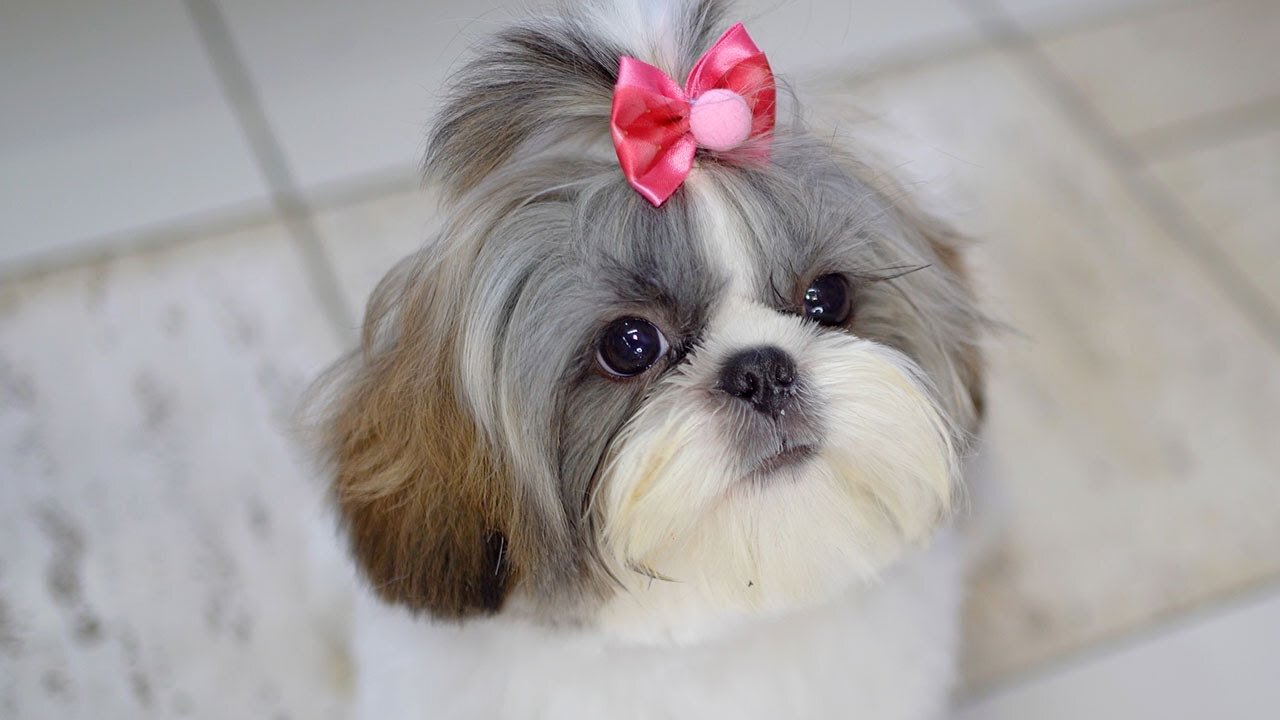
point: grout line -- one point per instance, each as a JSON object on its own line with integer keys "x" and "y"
{"x": 954, "y": 48}
{"x": 1166, "y": 624}
{"x": 1050, "y": 25}
{"x": 246, "y": 104}
{"x": 364, "y": 187}
{"x": 959, "y": 47}
{"x": 107, "y": 247}
{"x": 1203, "y": 131}
{"x": 103, "y": 248}
{"x": 1161, "y": 205}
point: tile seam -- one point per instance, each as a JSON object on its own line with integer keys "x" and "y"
{"x": 1207, "y": 130}
{"x": 197, "y": 227}
{"x": 1162, "y": 625}
{"x": 1177, "y": 224}
{"x": 246, "y": 105}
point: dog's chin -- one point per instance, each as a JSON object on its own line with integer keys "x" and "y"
{"x": 702, "y": 539}
{"x": 784, "y": 463}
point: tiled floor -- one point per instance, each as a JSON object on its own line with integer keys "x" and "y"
{"x": 1112, "y": 426}
{"x": 1217, "y": 663}
{"x": 1230, "y": 188}
{"x": 1157, "y": 70}
{"x": 1119, "y": 162}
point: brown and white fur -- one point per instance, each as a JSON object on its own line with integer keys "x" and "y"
{"x": 544, "y": 538}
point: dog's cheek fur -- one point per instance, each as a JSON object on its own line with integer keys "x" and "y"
{"x": 429, "y": 512}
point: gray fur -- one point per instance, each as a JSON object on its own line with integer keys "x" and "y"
{"x": 545, "y": 243}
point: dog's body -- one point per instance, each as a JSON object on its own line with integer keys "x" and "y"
{"x": 665, "y": 442}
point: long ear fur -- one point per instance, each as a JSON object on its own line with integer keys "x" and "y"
{"x": 960, "y": 323}
{"x": 948, "y": 246}
{"x": 427, "y": 507}
{"x": 546, "y": 83}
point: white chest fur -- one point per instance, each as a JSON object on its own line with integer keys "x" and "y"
{"x": 883, "y": 652}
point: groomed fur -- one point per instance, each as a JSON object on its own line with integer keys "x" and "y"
{"x": 471, "y": 432}
{"x": 425, "y": 503}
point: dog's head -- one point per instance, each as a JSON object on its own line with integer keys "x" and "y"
{"x": 577, "y": 405}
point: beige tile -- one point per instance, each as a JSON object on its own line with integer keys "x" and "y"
{"x": 1133, "y": 412}
{"x": 1233, "y": 190}
{"x": 1221, "y": 665}
{"x": 163, "y": 551}
{"x": 366, "y": 239}
{"x": 1051, "y": 14}
{"x": 1166, "y": 68}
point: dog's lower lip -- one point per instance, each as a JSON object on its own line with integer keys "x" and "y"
{"x": 787, "y": 456}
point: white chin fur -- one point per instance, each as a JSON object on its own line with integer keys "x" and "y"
{"x": 697, "y": 546}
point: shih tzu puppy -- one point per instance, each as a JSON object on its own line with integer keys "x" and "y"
{"x": 667, "y": 420}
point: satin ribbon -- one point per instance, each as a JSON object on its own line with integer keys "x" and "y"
{"x": 650, "y": 119}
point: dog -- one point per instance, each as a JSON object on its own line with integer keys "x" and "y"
{"x": 668, "y": 419}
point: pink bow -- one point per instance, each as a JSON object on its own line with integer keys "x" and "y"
{"x": 728, "y": 98}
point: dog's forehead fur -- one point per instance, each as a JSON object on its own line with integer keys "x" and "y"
{"x": 556, "y": 270}
{"x": 595, "y": 249}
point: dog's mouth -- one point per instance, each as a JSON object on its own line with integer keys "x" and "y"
{"x": 787, "y": 456}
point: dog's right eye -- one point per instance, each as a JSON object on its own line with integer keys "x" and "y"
{"x": 828, "y": 301}
{"x": 629, "y": 346}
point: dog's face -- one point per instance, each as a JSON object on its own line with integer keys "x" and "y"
{"x": 575, "y": 405}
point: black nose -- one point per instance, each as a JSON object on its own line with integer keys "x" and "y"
{"x": 762, "y": 376}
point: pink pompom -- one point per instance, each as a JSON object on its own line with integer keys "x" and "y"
{"x": 720, "y": 120}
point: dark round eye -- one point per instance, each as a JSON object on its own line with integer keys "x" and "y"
{"x": 828, "y": 300}
{"x": 629, "y": 346}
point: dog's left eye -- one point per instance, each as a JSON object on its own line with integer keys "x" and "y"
{"x": 629, "y": 346}
{"x": 828, "y": 301}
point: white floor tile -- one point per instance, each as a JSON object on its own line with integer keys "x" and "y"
{"x": 1161, "y": 69}
{"x": 112, "y": 121}
{"x": 349, "y": 88}
{"x": 1222, "y": 666}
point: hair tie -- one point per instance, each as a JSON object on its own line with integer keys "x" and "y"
{"x": 657, "y": 127}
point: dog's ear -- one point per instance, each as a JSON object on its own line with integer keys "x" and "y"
{"x": 948, "y": 247}
{"x": 426, "y": 505}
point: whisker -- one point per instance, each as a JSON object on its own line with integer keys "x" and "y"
{"x": 896, "y": 271}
